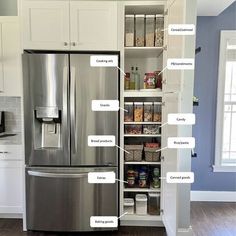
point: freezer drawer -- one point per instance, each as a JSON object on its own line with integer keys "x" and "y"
{"x": 61, "y": 199}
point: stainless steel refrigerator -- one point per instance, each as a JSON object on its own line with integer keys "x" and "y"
{"x": 58, "y": 92}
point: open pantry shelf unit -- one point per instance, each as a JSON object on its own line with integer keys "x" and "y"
{"x": 148, "y": 59}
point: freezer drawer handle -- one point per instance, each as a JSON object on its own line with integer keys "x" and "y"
{"x": 56, "y": 175}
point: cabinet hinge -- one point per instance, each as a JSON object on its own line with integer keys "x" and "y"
{"x": 165, "y": 48}
{"x": 166, "y": 12}
{"x": 162, "y": 158}
{"x": 162, "y": 212}
{"x": 163, "y": 103}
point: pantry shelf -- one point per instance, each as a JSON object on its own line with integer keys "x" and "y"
{"x": 141, "y": 93}
{"x": 142, "y": 135}
{"x": 142, "y": 217}
{"x": 142, "y": 190}
{"x": 143, "y": 52}
{"x": 142, "y": 123}
{"x": 142, "y": 163}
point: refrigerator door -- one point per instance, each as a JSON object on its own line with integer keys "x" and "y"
{"x": 46, "y": 84}
{"x": 61, "y": 199}
{"x": 87, "y": 84}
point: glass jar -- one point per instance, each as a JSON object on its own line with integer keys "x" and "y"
{"x": 158, "y": 79}
{"x": 129, "y": 30}
{"x": 138, "y": 111}
{"x": 148, "y": 111}
{"x": 130, "y": 178}
{"x": 159, "y": 33}
{"x": 150, "y": 29}
{"x": 150, "y": 81}
{"x": 139, "y": 30}
{"x": 157, "y": 112}
{"x": 129, "y": 113}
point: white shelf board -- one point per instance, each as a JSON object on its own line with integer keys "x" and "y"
{"x": 143, "y": 93}
{"x": 142, "y": 135}
{"x": 143, "y": 52}
{"x": 142, "y": 163}
{"x": 142, "y": 190}
{"x": 142, "y": 217}
{"x": 142, "y": 123}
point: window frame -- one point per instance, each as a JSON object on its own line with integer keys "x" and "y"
{"x": 218, "y": 166}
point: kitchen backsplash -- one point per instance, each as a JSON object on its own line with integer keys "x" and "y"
{"x": 13, "y": 116}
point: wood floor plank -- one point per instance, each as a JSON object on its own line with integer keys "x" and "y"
{"x": 207, "y": 219}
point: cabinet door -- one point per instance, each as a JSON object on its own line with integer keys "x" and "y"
{"x": 1, "y": 64}
{"x": 46, "y": 25}
{"x": 11, "y": 187}
{"x": 10, "y": 65}
{"x": 170, "y": 164}
{"x": 93, "y": 25}
{"x": 179, "y": 12}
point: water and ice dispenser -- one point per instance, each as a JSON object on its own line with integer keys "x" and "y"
{"x": 47, "y": 127}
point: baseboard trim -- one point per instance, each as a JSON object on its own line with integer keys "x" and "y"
{"x": 213, "y": 196}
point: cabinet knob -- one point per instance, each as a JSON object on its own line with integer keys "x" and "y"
{"x": 65, "y": 44}
{"x": 73, "y": 44}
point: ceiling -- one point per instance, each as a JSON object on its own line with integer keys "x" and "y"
{"x": 212, "y": 7}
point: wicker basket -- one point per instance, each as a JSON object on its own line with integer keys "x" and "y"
{"x": 135, "y": 152}
{"x": 151, "y": 154}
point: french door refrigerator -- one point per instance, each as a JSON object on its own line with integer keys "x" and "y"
{"x": 58, "y": 92}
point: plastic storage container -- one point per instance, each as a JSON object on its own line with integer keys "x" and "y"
{"x": 147, "y": 111}
{"x": 159, "y": 33}
{"x": 139, "y": 30}
{"x": 150, "y": 30}
{"x": 129, "y": 30}
{"x": 154, "y": 203}
{"x": 129, "y": 114}
{"x": 141, "y": 204}
{"x": 157, "y": 112}
{"x": 135, "y": 152}
{"x": 138, "y": 111}
{"x": 129, "y": 205}
{"x": 133, "y": 129}
{"x": 151, "y": 129}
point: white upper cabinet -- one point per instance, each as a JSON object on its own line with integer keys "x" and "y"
{"x": 45, "y": 25}
{"x": 10, "y": 57}
{"x": 93, "y": 25}
{"x": 73, "y": 25}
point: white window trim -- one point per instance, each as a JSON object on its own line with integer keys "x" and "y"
{"x": 218, "y": 167}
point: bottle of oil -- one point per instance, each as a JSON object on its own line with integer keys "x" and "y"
{"x": 132, "y": 79}
{"x": 137, "y": 79}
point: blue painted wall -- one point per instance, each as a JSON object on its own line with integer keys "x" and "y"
{"x": 206, "y": 76}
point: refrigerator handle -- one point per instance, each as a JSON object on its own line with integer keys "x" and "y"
{"x": 56, "y": 175}
{"x": 73, "y": 111}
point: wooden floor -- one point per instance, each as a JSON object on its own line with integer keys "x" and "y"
{"x": 207, "y": 219}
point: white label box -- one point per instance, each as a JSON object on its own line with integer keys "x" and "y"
{"x": 181, "y": 119}
{"x": 180, "y": 177}
{"x": 101, "y": 140}
{"x": 180, "y": 64}
{"x": 181, "y": 29}
{"x": 101, "y": 177}
{"x": 103, "y": 61}
{"x": 103, "y": 222}
{"x": 105, "y": 105}
{"x": 181, "y": 142}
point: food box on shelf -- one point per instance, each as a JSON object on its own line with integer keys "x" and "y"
{"x": 135, "y": 152}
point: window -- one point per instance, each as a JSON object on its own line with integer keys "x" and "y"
{"x": 225, "y": 147}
